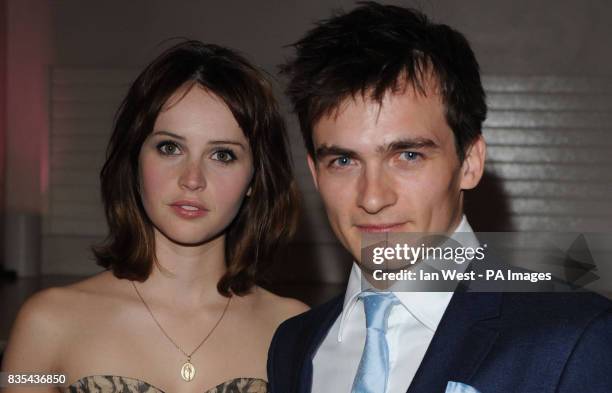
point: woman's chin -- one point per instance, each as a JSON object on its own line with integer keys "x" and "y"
{"x": 190, "y": 239}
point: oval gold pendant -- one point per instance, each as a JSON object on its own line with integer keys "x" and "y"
{"x": 188, "y": 371}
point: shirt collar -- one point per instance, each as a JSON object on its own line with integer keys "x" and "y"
{"x": 426, "y": 307}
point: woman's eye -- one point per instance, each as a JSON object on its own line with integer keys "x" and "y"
{"x": 342, "y": 161}
{"x": 410, "y": 155}
{"x": 224, "y": 156}
{"x": 168, "y": 148}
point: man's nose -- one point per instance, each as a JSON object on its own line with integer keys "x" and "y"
{"x": 192, "y": 177}
{"x": 376, "y": 190}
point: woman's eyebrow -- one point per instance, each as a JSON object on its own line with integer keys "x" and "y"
{"x": 214, "y": 142}
{"x": 226, "y": 142}
{"x": 168, "y": 133}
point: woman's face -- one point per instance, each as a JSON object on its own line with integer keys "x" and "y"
{"x": 195, "y": 167}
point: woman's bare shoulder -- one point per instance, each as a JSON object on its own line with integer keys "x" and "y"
{"x": 60, "y": 302}
{"x": 39, "y": 331}
{"x": 43, "y": 310}
{"x": 52, "y": 306}
{"x": 46, "y": 321}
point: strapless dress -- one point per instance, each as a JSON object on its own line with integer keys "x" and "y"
{"x": 116, "y": 384}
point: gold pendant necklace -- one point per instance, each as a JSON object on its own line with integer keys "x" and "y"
{"x": 188, "y": 370}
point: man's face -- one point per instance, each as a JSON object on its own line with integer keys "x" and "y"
{"x": 391, "y": 168}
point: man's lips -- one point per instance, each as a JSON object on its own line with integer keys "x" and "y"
{"x": 374, "y": 228}
{"x": 189, "y": 209}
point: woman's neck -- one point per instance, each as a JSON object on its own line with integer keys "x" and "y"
{"x": 186, "y": 277}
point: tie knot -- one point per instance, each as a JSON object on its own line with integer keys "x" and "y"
{"x": 377, "y": 306}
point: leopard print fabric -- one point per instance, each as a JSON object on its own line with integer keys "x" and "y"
{"x": 115, "y": 384}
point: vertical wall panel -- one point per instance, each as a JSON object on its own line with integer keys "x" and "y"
{"x": 83, "y": 104}
{"x": 549, "y": 165}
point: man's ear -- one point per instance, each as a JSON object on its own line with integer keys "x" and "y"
{"x": 313, "y": 170}
{"x": 472, "y": 168}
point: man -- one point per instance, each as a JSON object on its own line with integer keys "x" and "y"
{"x": 391, "y": 108}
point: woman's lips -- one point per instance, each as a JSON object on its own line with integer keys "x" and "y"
{"x": 188, "y": 209}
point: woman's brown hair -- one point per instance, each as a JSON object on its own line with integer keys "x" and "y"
{"x": 265, "y": 220}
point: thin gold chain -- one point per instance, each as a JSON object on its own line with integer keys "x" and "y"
{"x": 168, "y": 336}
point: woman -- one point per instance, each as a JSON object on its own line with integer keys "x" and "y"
{"x": 198, "y": 195}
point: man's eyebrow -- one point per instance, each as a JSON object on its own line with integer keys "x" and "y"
{"x": 400, "y": 144}
{"x": 407, "y": 144}
{"x": 170, "y": 134}
{"x": 333, "y": 150}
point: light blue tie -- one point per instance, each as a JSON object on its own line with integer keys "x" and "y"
{"x": 373, "y": 371}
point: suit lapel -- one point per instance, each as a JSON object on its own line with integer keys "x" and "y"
{"x": 314, "y": 331}
{"x": 465, "y": 335}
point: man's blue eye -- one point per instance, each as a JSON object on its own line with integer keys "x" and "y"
{"x": 342, "y": 161}
{"x": 410, "y": 155}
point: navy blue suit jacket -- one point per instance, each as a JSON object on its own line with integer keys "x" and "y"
{"x": 495, "y": 342}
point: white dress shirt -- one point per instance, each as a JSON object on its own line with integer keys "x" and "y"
{"x": 410, "y": 328}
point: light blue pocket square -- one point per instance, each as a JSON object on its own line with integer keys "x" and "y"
{"x": 458, "y": 387}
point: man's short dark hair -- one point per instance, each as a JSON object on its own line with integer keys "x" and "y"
{"x": 377, "y": 48}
